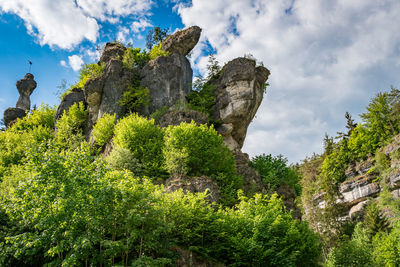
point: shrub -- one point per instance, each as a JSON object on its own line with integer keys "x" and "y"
{"x": 202, "y": 100}
{"x": 135, "y": 98}
{"x": 43, "y": 116}
{"x": 144, "y": 139}
{"x": 274, "y": 172}
{"x": 199, "y": 148}
{"x": 103, "y": 130}
{"x": 156, "y": 52}
{"x": 69, "y": 133}
{"x": 134, "y": 57}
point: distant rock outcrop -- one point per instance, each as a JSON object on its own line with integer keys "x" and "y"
{"x": 182, "y": 42}
{"x": 240, "y": 90}
{"x": 25, "y": 88}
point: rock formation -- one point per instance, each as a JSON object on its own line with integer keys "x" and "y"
{"x": 25, "y": 88}
{"x": 75, "y": 96}
{"x": 240, "y": 90}
{"x": 182, "y": 42}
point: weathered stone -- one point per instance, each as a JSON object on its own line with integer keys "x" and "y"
{"x": 358, "y": 189}
{"x": 239, "y": 92}
{"x": 357, "y": 211}
{"x": 25, "y": 88}
{"x": 12, "y": 114}
{"x": 177, "y": 117}
{"x": 251, "y": 179}
{"x": 394, "y": 179}
{"x": 182, "y": 42}
{"x": 194, "y": 185}
{"x": 68, "y": 100}
{"x": 112, "y": 51}
{"x": 168, "y": 79}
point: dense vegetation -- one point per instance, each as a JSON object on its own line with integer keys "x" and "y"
{"x": 63, "y": 203}
{"x": 371, "y": 242}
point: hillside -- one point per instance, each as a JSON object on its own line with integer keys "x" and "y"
{"x": 141, "y": 166}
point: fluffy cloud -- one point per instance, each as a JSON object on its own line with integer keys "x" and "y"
{"x": 75, "y": 62}
{"x": 325, "y": 58}
{"x": 66, "y": 23}
{"x": 63, "y": 63}
{"x": 138, "y": 26}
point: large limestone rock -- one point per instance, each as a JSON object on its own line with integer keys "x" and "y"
{"x": 12, "y": 114}
{"x": 103, "y": 93}
{"x": 25, "y": 88}
{"x": 75, "y": 96}
{"x": 251, "y": 179}
{"x": 240, "y": 89}
{"x": 182, "y": 42}
{"x": 168, "y": 79}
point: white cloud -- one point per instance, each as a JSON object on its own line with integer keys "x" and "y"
{"x": 123, "y": 35}
{"x": 66, "y": 23}
{"x": 75, "y": 62}
{"x": 138, "y": 26}
{"x": 63, "y": 63}
{"x": 325, "y": 58}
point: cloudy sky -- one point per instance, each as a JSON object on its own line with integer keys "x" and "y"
{"x": 325, "y": 57}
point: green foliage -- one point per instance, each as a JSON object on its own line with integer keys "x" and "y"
{"x": 349, "y": 253}
{"x": 155, "y": 36}
{"x": 275, "y": 172}
{"x": 135, "y": 98}
{"x": 103, "y": 130}
{"x": 387, "y": 247}
{"x": 144, "y": 140}
{"x": 135, "y": 58}
{"x": 157, "y": 51}
{"x": 374, "y": 222}
{"x": 43, "y": 116}
{"x": 199, "y": 150}
{"x": 203, "y": 100}
{"x": 88, "y": 71}
{"x": 69, "y": 133}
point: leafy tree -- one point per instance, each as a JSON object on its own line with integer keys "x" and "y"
{"x": 374, "y": 222}
{"x": 213, "y": 67}
{"x": 275, "y": 172}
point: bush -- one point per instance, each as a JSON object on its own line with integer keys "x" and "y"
{"x": 134, "y": 57}
{"x": 199, "y": 149}
{"x": 156, "y": 52}
{"x": 43, "y": 116}
{"x": 145, "y": 141}
{"x": 135, "y": 98}
{"x": 103, "y": 130}
{"x": 69, "y": 133}
{"x": 274, "y": 172}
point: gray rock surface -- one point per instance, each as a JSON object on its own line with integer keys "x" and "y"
{"x": 25, "y": 88}
{"x": 194, "y": 185}
{"x": 177, "y": 117}
{"x": 168, "y": 79}
{"x": 358, "y": 189}
{"x": 68, "y": 100}
{"x": 239, "y": 92}
{"x": 182, "y": 42}
{"x": 12, "y": 114}
{"x": 251, "y": 179}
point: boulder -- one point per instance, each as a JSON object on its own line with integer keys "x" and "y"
{"x": 25, "y": 88}
{"x": 75, "y": 96}
{"x": 239, "y": 92}
{"x": 168, "y": 79}
{"x": 182, "y": 42}
{"x": 357, "y": 211}
{"x": 12, "y": 114}
{"x": 112, "y": 51}
{"x": 194, "y": 185}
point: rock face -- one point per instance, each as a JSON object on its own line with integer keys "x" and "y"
{"x": 168, "y": 79}
{"x": 103, "y": 93}
{"x": 240, "y": 89}
{"x": 194, "y": 185}
{"x": 25, "y": 88}
{"x": 12, "y": 114}
{"x": 251, "y": 179}
{"x": 177, "y": 117}
{"x": 182, "y": 42}
{"x": 75, "y": 96}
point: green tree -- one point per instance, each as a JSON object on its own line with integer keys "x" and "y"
{"x": 155, "y": 36}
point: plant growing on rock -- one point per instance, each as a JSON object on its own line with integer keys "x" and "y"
{"x": 103, "y": 130}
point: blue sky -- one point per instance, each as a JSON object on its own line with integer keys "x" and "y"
{"x": 325, "y": 57}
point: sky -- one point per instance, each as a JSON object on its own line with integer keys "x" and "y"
{"x": 325, "y": 57}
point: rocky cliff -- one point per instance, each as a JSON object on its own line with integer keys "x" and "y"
{"x": 365, "y": 183}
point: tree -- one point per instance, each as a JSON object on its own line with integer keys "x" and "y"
{"x": 212, "y": 67}
{"x": 155, "y": 36}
